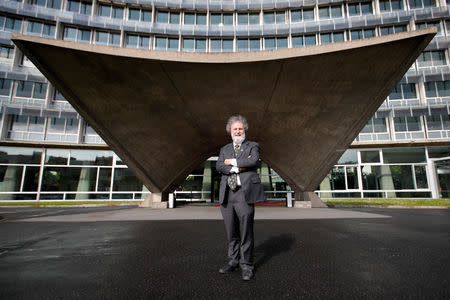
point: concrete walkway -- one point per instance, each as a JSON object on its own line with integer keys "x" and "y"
{"x": 205, "y": 213}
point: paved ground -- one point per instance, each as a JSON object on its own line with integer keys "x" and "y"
{"x": 131, "y": 253}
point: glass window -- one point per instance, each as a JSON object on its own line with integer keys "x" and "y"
{"x": 242, "y": 19}
{"x": 173, "y": 44}
{"x": 18, "y": 155}
{"x": 228, "y": 19}
{"x": 434, "y": 122}
{"x": 104, "y": 10}
{"x": 90, "y": 157}
{"x": 215, "y": 19}
{"x": 117, "y": 12}
{"x": 297, "y": 41}
{"x": 124, "y": 180}
{"x": 174, "y": 18}
{"x": 352, "y": 177}
{"x": 310, "y": 40}
{"x": 39, "y": 91}
{"x": 188, "y": 44}
{"x": 200, "y": 19}
{"x": 402, "y": 177}
{"x": 104, "y": 180}
{"x": 24, "y": 89}
{"x": 421, "y": 177}
{"x": 6, "y": 52}
{"x": 146, "y": 15}
{"x": 350, "y": 156}
{"x": 371, "y": 156}
{"x": 70, "y": 33}
{"x": 101, "y": 37}
{"x": 114, "y": 39}
{"x": 337, "y": 178}
{"x": 10, "y": 178}
{"x": 56, "y": 157}
{"x": 253, "y": 18}
{"x": 5, "y": 86}
{"x": 296, "y": 15}
{"x": 162, "y": 17}
{"x": 404, "y": 155}
{"x": 134, "y": 14}
{"x": 308, "y": 14}
{"x": 160, "y": 43}
{"x": 200, "y": 45}
{"x": 438, "y": 152}
{"x": 189, "y": 18}
{"x": 31, "y": 179}
{"x": 69, "y": 179}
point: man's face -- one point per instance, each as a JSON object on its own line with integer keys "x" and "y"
{"x": 237, "y": 132}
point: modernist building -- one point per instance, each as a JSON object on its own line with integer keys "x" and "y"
{"x": 48, "y": 152}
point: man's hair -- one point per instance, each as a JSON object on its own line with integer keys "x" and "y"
{"x": 236, "y": 118}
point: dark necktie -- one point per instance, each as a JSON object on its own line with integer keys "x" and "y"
{"x": 232, "y": 181}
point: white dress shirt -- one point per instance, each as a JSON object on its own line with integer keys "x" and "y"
{"x": 235, "y": 168}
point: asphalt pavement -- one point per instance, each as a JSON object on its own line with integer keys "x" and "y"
{"x": 136, "y": 253}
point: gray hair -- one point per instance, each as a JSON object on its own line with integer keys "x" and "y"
{"x": 236, "y": 118}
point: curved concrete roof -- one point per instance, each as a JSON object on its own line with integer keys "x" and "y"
{"x": 164, "y": 113}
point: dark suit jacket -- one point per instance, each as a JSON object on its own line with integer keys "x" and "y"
{"x": 248, "y": 158}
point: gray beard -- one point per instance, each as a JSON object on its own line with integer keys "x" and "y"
{"x": 238, "y": 139}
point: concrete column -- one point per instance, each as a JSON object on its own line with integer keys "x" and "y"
{"x": 156, "y": 201}
{"x": 308, "y": 200}
{"x": 10, "y": 182}
{"x": 325, "y": 185}
{"x": 386, "y": 181}
{"x": 265, "y": 178}
{"x": 206, "y": 184}
{"x": 83, "y": 183}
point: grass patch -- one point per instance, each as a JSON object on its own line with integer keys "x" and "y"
{"x": 40, "y": 203}
{"x": 387, "y": 201}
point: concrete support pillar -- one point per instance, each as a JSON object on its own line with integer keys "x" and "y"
{"x": 11, "y": 181}
{"x": 265, "y": 178}
{"x": 325, "y": 185}
{"x": 386, "y": 181}
{"x": 156, "y": 201}
{"x": 308, "y": 200}
{"x": 206, "y": 183}
{"x": 83, "y": 183}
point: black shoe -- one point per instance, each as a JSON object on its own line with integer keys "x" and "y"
{"x": 247, "y": 274}
{"x": 227, "y": 269}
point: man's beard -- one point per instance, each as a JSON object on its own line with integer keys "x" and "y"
{"x": 238, "y": 139}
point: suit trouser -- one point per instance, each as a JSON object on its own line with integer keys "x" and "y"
{"x": 238, "y": 217}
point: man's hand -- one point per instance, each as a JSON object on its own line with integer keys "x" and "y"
{"x": 227, "y": 161}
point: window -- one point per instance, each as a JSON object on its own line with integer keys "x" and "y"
{"x": 221, "y": 19}
{"x": 438, "y": 122}
{"x": 77, "y": 34}
{"x": 24, "y": 89}
{"x": 26, "y": 128}
{"x": 327, "y": 12}
{"x": 47, "y": 3}
{"x": 248, "y": 18}
{"x": 221, "y": 45}
{"x": 191, "y": 18}
{"x": 41, "y": 29}
{"x": 390, "y": 5}
{"x": 6, "y": 52}
{"x": 110, "y": 11}
{"x": 271, "y": 43}
{"x": 402, "y": 124}
{"x": 251, "y": 44}
{"x": 139, "y": 14}
{"x": 39, "y": 90}
{"x": 359, "y": 8}
{"x": 194, "y": 44}
{"x": 137, "y": 41}
{"x": 299, "y": 15}
{"x": 77, "y": 6}
{"x": 274, "y": 17}
{"x": 437, "y": 89}
{"x": 362, "y": 33}
{"x": 392, "y": 29}
{"x": 303, "y": 40}
{"x": 432, "y": 58}
{"x": 436, "y": 24}
{"x": 413, "y": 4}
{"x": 62, "y": 130}
{"x": 5, "y": 86}
{"x": 107, "y": 38}
{"x": 166, "y": 43}
{"x": 10, "y": 24}
{"x": 375, "y": 125}
{"x": 172, "y": 17}
{"x": 332, "y": 37}
{"x": 404, "y": 91}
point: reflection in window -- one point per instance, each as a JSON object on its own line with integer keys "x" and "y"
{"x": 437, "y": 89}
{"x": 221, "y": 19}
{"x": 332, "y": 37}
{"x": 166, "y": 43}
{"x": 390, "y": 5}
{"x": 271, "y": 43}
{"x": 299, "y": 15}
{"x": 362, "y": 33}
{"x": 404, "y": 155}
{"x": 252, "y": 44}
{"x": 413, "y": 4}
{"x": 124, "y": 180}
{"x": 431, "y": 58}
{"x": 221, "y": 45}
{"x": 392, "y": 29}
{"x": 303, "y": 40}
{"x": 90, "y": 157}
{"x": 137, "y": 41}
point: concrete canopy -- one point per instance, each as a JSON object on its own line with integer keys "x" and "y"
{"x": 164, "y": 112}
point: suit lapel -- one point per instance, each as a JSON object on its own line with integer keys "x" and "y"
{"x": 242, "y": 149}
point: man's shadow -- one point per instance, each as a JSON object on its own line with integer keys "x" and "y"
{"x": 272, "y": 247}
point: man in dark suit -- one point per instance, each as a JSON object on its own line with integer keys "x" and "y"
{"x": 240, "y": 188}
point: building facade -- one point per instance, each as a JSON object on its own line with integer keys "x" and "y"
{"x": 48, "y": 152}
